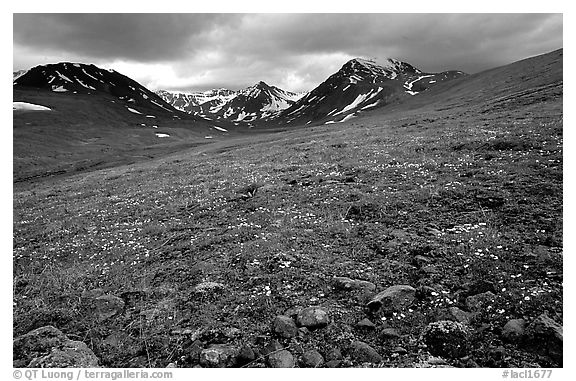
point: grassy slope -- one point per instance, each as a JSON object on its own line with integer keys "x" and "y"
{"x": 478, "y": 193}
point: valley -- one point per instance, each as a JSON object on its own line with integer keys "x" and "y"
{"x": 315, "y": 238}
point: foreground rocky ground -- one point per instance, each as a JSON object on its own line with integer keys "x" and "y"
{"x": 412, "y": 240}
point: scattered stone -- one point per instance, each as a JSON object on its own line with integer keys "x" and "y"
{"x": 194, "y": 351}
{"x": 545, "y": 337}
{"x": 218, "y": 356}
{"x": 446, "y": 338}
{"x": 363, "y": 352}
{"x": 513, "y": 330}
{"x": 400, "y": 350}
{"x": 208, "y": 287}
{"x": 460, "y": 316}
{"x": 293, "y": 312}
{"x": 313, "y": 317}
{"x": 281, "y": 359}
{"x": 393, "y": 298}
{"x": 272, "y": 346}
{"x": 108, "y": 305}
{"x": 421, "y": 261}
{"x": 245, "y": 355}
{"x": 389, "y": 334}
{"x": 479, "y": 287}
{"x": 334, "y": 354}
{"x": 479, "y": 302}
{"x": 366, "y": 324}
{"x": 312, "y": 359}
{"x": 347, "y": 284}
{"x": 436, "y": 361}
{"x": 48, "y": 347}
{"x": 284, "y": 326}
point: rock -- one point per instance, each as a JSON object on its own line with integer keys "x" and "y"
{"x": 245, "y": 355}
{"x": 347, "y": 284}
{"x": 272, "y": 346}
{"x": 400, "y": 350}
{"x": 208, "y": 287}
{"x": 48, "y": 347}
{"x": 389, "y": 334}
{"x": 284, "y": 326}
{"x": 363, "y": 352}
{"x": 281, "y": 359}
{"x": 218, "y": 356}
{"x": 171, "y": 365}
{"x": 393, "y": 298}
{"x": 446, "y": 338}
{"x": 108, "y": 305}
{"x": 513, "y": 330}
{"x": 334, "y": 354}
{"x": 313, "y": 318}
{"x": 303, "y": 331}
{"x": 293, "y": 312}
{"x": 366, "y": 324}
{"x": 480, "y": 302}
{"x": 421, "y": 261}
{"x": 436, "y": 361}
{"x": 333, "y": 364}
{"x": 312, "y": 359}
{"x": 194, "y": 351}
{"x": 460, "y": 316}
{"x": 479, "y": 287}
{"x": 545, "y": 336}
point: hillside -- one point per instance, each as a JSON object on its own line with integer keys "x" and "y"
{"x": 455, "y": 202}
{"x": 97, "y": 119}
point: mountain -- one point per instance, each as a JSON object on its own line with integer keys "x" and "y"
{"x": 187, "y": 101}
{"x": 77, "y": 78}
{"x": 362, "y": 84}
{"x": 70, "y": 117}
{"x": 258, "y": 102}
{"x": 17, "y": 74}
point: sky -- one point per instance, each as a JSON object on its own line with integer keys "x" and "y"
{"x": 296, "y": 52}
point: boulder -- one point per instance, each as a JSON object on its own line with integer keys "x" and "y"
{"x": 446, "y": 338}
{"x": 281, "y": 359}
{"x": 284, "y": 326}
{"x": 366, "y": 324}
{"x": 545, "y": 337}
{"x": 363, "y": 352}
{"x": 313, "y": 318}
{"x": 393, "y": 298}
{"x": 479, "y": 302}
{"x": 107, "y": 306}
{"x": 460, "y": 316}
{"x": 513, "y": 330}
{"x": 218, "y": 356}
{"x": 48, "y": 347}
{"x": 347, "y": 284}
{"x": 312, "y": 359}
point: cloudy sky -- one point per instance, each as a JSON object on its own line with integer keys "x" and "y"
{"x": 194, "y": 52}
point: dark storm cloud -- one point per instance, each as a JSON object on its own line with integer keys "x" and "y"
{"x": 143, "y": 37}
{"x": 297, "y": 51}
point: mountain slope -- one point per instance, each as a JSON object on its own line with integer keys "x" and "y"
{"x": 209, "y": 245}
{"x": 187, "y": 101}
{"x": 258, "y": 102}
{"x": 97, "y": 118}
{"x": 77, "y": 78}
{"x": 359, "y": 85}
